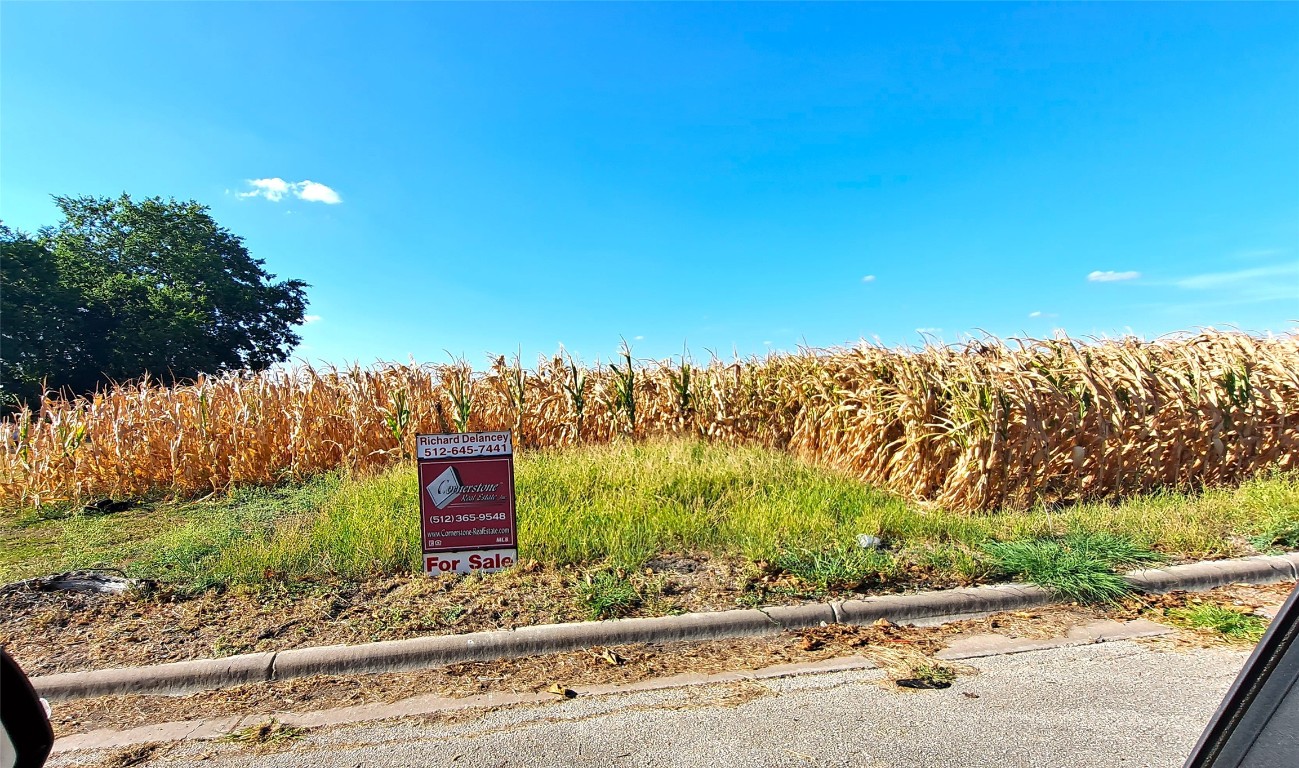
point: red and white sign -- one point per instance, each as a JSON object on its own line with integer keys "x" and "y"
{"x": 470, "y": 561}
{"x": 460, "y": 445}
{"x": 466, "y": 502}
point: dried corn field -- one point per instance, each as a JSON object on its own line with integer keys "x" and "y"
{"x": 985, "y": 425}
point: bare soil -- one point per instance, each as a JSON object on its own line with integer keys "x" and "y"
{"x": 50, "y": 632}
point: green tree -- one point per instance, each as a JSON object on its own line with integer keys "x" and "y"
{"x": 36, "y": 315}
{"x": 122, "y": 288}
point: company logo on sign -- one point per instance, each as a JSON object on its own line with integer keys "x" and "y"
{"x": 447, "y": 487}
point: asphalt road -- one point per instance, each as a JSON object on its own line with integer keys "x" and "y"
{"x": 1116, "y": 704}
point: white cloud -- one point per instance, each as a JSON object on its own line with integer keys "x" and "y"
{"x": 1040, "y": 313}
{"x": 271, "y": 189}
{"x": 930, "y": 331}
{"x": 1034, "y": 314}
{"x": 309, "y": 319}
{"x": 868, "y": 279}
{"x": 317, "y": 193}
{"x": 1247, "y": 286}
{"x": 1216, "y": 280}
{"x": 1110, "y": 276}
{"x": 274, "y": 189}
{"x": 638, "y": 338}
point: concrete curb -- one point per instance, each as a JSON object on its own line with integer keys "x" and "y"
{"x": 160, "y": 678}
{"x": 937, "y": 607}
{"x": 424, "y": 652}
{"x": 1215, "y": 573}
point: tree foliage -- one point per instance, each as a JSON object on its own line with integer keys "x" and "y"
{"x": 122, "y": 288}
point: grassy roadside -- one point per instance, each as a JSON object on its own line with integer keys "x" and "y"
{"x": 610, "y": 508}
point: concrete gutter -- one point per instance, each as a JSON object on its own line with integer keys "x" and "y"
{"x": 926, "y": 608}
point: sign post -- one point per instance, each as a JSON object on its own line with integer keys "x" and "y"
{"x": 466, "y": 502}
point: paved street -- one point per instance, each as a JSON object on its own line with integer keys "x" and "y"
{"x": 1115, "y": 704}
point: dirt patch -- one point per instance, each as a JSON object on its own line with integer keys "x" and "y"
{"x": 136, "y": 754}
{"x": 1243, "y": 597}
{"x": 58, "y": 632}
{"x": 531, "y": 674}
{"x": 724, "y": 695}
{"x": 50, "y": 632}
{"x": 267, "y": 736}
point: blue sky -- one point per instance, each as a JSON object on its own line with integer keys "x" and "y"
{"x": 495, "y": 178}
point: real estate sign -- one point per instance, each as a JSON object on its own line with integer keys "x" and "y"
{"x": 466, "y": 501}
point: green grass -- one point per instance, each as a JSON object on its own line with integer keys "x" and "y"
{"x": 1080, "y": 566}
{"x": 629, "y": 502}
{"x": 1281, "y": 533}
{"x": 176, "y": 543}
{"x": 358, "y": 530}
{"x": 269, "y": 733}
{"x": 959, "y": 560}
{"x": 846, "y": 566}
{"x": 607, "y": 595}
{"x": 614, "y": 506}
{"x": 934, "y": 674}
{"x": 1235, "y": 626}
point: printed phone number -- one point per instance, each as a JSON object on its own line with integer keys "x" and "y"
{"x": 480, "y": 517}
{"x": 435, "y": 451}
